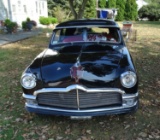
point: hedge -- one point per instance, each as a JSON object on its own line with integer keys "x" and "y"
{"x": 47, "y": 20}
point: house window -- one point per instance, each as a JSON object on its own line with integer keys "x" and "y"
{"x": 19, "y": 2}
{"x": 13, "y": 8}
{"x": 36, "y": 7}
{"x": 25, "y": 8}
{"x": 19, "y": 5}
{"x": 40, "y": 8}
{"x": 43, "y": 5}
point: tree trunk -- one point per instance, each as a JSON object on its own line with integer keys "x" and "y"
{"x": 79, "y": 14}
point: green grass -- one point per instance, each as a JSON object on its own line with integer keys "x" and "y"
{"x": 17, "y": 124}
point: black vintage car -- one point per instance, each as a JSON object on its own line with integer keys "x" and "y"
{"x": 86, "y": 71}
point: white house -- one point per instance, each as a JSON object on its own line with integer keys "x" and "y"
{"x": 19, "y": 10}
{"x": 141, "y": 3}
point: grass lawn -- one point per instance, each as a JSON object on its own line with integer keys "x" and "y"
{"x": 17, "y": 124}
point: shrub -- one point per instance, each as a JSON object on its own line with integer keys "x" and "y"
{"x": 7, "y": 22}
{"x": 44, "y": 20}
{"x": 47, "y": 20}
{"x": 13, "y": 24}
{"x": 24, "y": 25}
{"x": 10, "y": 26}
{"x": 28, "y": 24}
{"x": 53, "y": 20}
{"x": 28, "y": 19}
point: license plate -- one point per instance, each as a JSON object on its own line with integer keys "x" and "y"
{"x": 80, "y": 117}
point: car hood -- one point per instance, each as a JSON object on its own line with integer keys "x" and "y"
{"x": 59, "y": 69}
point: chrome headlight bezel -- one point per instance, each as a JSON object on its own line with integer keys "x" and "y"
{"x": 28, "y": 77}
{"x": 131, "y": 77}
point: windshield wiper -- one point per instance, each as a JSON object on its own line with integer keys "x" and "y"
{"x": 62, "y": 46}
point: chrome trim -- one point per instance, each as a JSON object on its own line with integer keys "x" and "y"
{"x": 30, "y": 75}
{"x": 80, "y": 87}
{"x": 80, "y": 111}
{"x": 125, "y": 96}
{"x": 29, "y": 96}
{"x": 128, "y": 73}
{"x": 77, "y": 99}
{"x": 124, "y": 106}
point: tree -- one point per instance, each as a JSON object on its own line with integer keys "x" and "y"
{"x": 90, "y": 9}
{"x": 153, "y": 1}
{"x": 102, "y": 3}
{"x": 131, "y": 10}
{"x": 53, "y": 4}
{"x": 111, "y": 3}
{"x": 80, "y": 9}
{"x": 50, "y": 7}
{"x": 120, "y": 5}
{"x": 151, "y": 11}
{"x": 77, "y": 8}
{"x": 143, "y": 12}
{"x": 60, "y": 14}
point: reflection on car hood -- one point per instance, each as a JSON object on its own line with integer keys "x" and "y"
{"x": 61, "y": 69}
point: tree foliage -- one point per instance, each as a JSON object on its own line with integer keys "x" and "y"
{"x": 120, "y": 5}
{"x": 127, "y": 9}
{"x": 53, "y": 4}
{"x": 90, "y": 9}
{"x": 102, "y": 3}
{"x": 130, "y": 10}
{"x": 76, "y": 7}
{"x": 111, "y": 3}
{"x": 152, "y": 12}
{"x": 60, "y": 14}
{"x": 153, "y": 1}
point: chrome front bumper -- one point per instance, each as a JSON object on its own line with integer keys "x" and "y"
{"x": 129, "y": 103}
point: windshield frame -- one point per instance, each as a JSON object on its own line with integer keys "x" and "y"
{"x": 87, "y": 26}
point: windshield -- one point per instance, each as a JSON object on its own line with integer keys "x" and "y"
{"x": 85, "y": 34}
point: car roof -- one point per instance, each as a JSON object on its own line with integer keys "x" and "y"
{"x": 88, "y": 23}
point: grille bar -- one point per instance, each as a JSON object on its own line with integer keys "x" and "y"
{"x": 77, "y": 99}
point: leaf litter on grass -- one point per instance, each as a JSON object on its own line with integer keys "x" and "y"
{"x": 16, "y": 123}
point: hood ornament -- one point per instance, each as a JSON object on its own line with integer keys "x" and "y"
{"x": 76, "y": 71}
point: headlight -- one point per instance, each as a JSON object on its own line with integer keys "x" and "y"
{"x": 28, "y": 81}
{"x": 128, "y": 79}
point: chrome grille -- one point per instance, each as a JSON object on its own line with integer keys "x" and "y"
{"x": 66, "y": 100}
{"x": 99, "y": 99}
{"x": 86, "y": 100}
